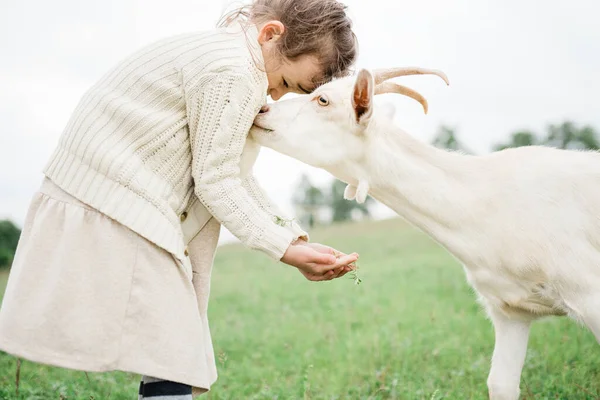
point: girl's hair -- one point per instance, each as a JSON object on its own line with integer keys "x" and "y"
{"x": 312, "y": 27}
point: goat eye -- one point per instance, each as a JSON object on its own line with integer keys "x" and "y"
{"x": 323, "y": 101}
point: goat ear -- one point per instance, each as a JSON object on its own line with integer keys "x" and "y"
{"x": 362, "y": 96}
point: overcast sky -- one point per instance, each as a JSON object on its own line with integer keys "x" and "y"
{"x": 512, "y": 64}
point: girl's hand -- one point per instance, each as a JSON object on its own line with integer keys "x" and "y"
{"x": 321, "y": 248}
{"x": 318, "y": 262}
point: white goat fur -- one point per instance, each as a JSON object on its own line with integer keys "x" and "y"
{"x": 524, "y": 222}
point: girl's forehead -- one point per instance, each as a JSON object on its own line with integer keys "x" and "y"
{"x": 305, "y": 71}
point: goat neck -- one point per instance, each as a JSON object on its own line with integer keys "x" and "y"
{"x": 430, "y": 187}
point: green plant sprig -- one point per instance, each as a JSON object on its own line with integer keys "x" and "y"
{"x": 283, "y": 221}
{"x": 354, "y": 274}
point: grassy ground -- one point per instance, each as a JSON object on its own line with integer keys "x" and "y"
{"x": 411, "y": 330}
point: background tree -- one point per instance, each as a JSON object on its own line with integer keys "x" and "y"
{"x": 309, "y": 200}
{"x": 563, "y": 136}
{"x": 342, "y": 209}
{"x": 569, "y": 136}
{"x": 9, "y": 238}
{"x": 445, "y": 138}
{"x": 519, "y": 139}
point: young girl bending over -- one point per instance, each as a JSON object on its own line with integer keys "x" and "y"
{"x": 113, "y": 267}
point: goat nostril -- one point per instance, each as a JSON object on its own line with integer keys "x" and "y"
{"x": 263, "y": 109}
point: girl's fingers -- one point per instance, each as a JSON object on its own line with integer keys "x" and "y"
{"x": 322, "y": 258}
{"x": 339, "y": 272}
{"x": 340, "y": 265}
{"x": 344, "y": 272}
{"x": 346, "y": 260}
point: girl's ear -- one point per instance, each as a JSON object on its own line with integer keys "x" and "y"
{"x": 270, "y": 31}
{"x": 362, "y": 96}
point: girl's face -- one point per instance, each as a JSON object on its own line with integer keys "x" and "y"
{"x": 285, "y": 76}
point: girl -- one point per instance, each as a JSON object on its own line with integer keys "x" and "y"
{"x": 113, "y": 267}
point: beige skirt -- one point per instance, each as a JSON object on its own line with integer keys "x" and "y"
{"x": 86, "y": 293}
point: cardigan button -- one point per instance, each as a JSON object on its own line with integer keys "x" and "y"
{"x": 183, "y": 216}
{"x": 185, "y": 252}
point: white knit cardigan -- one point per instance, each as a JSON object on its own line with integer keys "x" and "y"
{"x": 166, "y": 128}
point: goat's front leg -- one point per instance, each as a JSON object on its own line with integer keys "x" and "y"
{"x": 509, "y": 355}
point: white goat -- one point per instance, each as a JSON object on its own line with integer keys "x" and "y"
{"x": 525, "y": 222}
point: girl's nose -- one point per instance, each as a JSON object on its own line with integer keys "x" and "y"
{"x": 264, "y": 109}
{"x": 275, "y": 94}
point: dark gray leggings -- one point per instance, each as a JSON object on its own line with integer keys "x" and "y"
{"x": 159, "y": 389}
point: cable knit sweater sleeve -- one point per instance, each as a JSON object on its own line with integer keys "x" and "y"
{"x": 258, "y": 194}
{"x": 220, "y": 112}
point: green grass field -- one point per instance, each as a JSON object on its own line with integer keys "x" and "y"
{"x": 411, "y": 330}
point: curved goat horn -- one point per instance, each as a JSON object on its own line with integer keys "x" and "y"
{"x": 381, "y": 75}
{"x": 391, "y": 87}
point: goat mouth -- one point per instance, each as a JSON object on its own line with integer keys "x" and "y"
{"x": 262, "y": 128}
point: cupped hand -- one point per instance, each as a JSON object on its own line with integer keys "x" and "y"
{"x": 318, "y": 262}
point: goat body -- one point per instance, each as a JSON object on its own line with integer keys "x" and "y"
{"x": 524, "y": 222}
